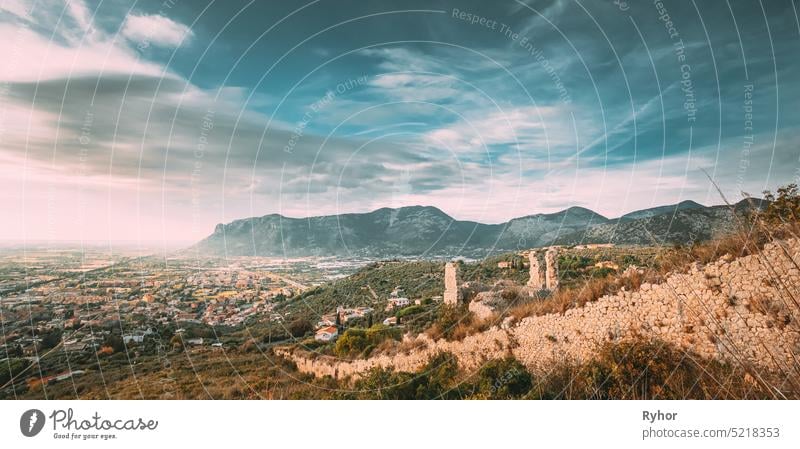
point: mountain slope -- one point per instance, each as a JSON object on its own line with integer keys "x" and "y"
{"x": 661, "y": 210}
{"x": 684, "y": 223}
{"x": 428, "y": 231}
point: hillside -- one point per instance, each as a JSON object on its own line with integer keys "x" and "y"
{"x": 425, "y": 231}
{"x": 683, "y": 223}
{"x": 732, "y": 315}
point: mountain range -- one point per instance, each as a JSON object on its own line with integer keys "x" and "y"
{"x": 428, "y": 231}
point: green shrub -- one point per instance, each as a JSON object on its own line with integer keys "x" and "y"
{"x": 602, "y": 272}
{"x": 300, "y": 327}
{"x": 451, "y": 322}
{"x": 436, "y": 380}
{"x": 11, "y": 368}
{"x": 356, "y": 341}
{"x": 411, "y": 310}
{"x": 503, "y": 379}
{"x": 783, "y": 207}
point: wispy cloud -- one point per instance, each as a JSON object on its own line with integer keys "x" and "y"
{"x": 106, "y": 132}
{"x": 156, "y": 30}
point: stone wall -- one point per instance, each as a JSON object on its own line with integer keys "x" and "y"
{"x": 739, "y": 310}
{"x": 472, "y": 352}
{"x": 451, "y": 293}
{"x": 551, "y": 275}
{"x": 535, "y": 280}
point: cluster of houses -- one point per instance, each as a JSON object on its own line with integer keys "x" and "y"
{"x": 397, "y": 300}
{"x": 197, "y": 341}
{"x": 328, "y": 325}
{"x": 232, "y": 312}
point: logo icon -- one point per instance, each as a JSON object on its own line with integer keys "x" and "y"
{"x": 31, "y": 422}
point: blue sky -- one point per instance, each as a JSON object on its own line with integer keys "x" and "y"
{"x": 157, "y": 120}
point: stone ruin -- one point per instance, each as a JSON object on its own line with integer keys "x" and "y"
{"x": 543, "y": 276}
{"x": 451, "y": 291}
{"x": 722, "y": 311}
{"x": 551, "y": 259}
{"x": 549, "y": 279}
{"x": 535, "y": 282}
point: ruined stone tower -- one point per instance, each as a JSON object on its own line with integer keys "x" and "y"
{"x": 535, "y": 280}
{"x": 551, "y": 259}
{"x": 451, "y": 293}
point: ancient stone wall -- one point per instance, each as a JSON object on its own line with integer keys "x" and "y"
{"x": 451, "y": 293}
{"x": 741, "y": 310}
{"x": 551, "y": 260}
{"x": 492, "y": 344}
{"x": 535, "y": 280}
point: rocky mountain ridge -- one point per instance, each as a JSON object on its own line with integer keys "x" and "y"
{"x": 427, "y": 231}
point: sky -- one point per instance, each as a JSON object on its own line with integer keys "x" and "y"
{"x": 156, "y": 120}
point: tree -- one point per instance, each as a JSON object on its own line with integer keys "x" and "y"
{"x": 353, "y": 341}
{"x": 115, "y": 342}
{"x": 51, "y": 339}
{"x": 12, "y": 367}
{"x": 783, "y": 207}
{"x": 503, "y": 379}
{"x": 300, "y": 327}
{"x": 177, "y": 342}
{"x": 356, "y": 340}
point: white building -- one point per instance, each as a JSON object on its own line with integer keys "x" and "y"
{"x": 326, "y": 333}
{"x": 133, "y": 339}
{"x": 397, "y": 302}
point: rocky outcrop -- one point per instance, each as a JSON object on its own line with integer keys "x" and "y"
{"x": 482, "y": 305}
{"x": 743, "y": 311}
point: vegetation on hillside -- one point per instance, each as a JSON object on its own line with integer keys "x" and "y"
{"x": 247, "y": 369}
{"x": 627, "y": 370}
{"x": 360, "y": 342}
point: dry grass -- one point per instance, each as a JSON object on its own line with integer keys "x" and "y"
{"x": 569, "y": 298}
{"x": 751, "y": 234}
{"x": 393, "y": 347}
{"x": 457, "y": 323}
{"x": 647, "y": 369}
{"x": 475, "y": 326}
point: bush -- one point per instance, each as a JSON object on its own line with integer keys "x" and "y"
{"x": 449, "y": 320}
{"x": 300, "y": 327}
{"x": 783, "y": 208}
{"x": 115, "y": 342}
{"x": 311, "y": 344}
{"x": 645, "y": 370}
{"x": 411, "y": 310}
{"x": 50, "y": 339}
{"x": 358, "y": 341}
{"x": 11, "y": 368}
{"x": 602, "y": 272}
{"x": 438, "y": 379}
{"x": 503, "y": 379}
